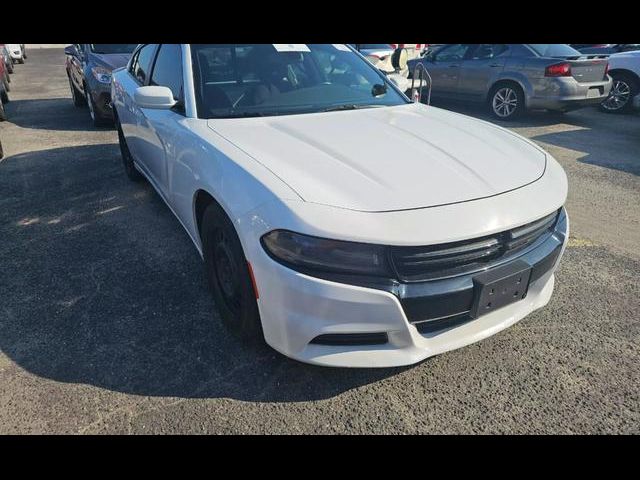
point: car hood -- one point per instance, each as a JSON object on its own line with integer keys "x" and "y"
{"x": 110, "y": 60}
{"x": 384, "y": 159}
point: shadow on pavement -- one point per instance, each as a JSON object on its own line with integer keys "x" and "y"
{"x": 102, "y": 286}
{"x": 583, "y": 130}
{"x": 50, "y": 114}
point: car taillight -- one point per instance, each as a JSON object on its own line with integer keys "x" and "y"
{"x": 558, "y": 70}
{"x": 606, "y": 71}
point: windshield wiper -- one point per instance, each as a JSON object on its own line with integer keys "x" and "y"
{"x": 241, "y": 115}
{"x": 350, "y": 106}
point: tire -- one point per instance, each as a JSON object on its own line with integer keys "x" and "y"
{"x": 228, "y": 275}
{"x": 21, "y": 60}
{"x": 620, "y": 100}
{"x": 5, "y": 81}
{"x": 97, "y": 120}
{"x": 4, "y": 96}
{"x": 10, "y": 67}
{"x": 506, "y": 101}
{"x": 78, "y": 100}
{"x": 3, "y": 114}
{"x": 129, "y": 168}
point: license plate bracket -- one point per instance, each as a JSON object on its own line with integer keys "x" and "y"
{"x": 500, "y": 287}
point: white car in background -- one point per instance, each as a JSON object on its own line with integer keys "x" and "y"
{"x": 338, "y": 221}
{"x": 17, "y": 52}
{"x": 624, "y": 69}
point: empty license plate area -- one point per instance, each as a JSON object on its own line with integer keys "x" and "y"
{"x": 500, "y": 287}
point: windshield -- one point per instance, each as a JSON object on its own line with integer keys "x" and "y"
{"x": 554, "y": 50}
{"x": 106, "y": 48}
{"x": 243, "y": 80}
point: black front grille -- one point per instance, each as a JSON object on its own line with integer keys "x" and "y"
{"x": 449, "y": 259}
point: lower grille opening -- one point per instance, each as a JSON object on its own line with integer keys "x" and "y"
{"x": 443, "y": 323}
{"x": 351, "y": 339}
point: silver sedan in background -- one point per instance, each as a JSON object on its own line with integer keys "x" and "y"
{"x": 512, "y": 78}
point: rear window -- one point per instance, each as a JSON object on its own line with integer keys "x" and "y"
{"x": 554, "y": 50}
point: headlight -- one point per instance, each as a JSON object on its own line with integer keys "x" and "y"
{"x": 313, "y": 253}
{"x": 101, "y": 74}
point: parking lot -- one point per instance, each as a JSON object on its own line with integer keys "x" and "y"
{"x": 106, "y": 324}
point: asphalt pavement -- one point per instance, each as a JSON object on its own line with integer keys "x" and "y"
{"x": 106, "y": 324}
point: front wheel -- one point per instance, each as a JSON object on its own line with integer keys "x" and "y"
{"x": 228, "y": 275}
{"x": 76, "y": 96}
{"x": 506, "y": 101}
{"x": 98, "y": 121}
{"x": 129, "y": 168}
{"x": 623, "y": 88}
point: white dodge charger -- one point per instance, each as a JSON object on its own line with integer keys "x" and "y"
{"x": 337, "y": 220}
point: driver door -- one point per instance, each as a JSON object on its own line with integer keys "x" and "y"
{"x": 444, "y": 69}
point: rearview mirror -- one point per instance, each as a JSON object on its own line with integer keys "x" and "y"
{"x": 156, "y": 97}
{"x": 71, "y": 50}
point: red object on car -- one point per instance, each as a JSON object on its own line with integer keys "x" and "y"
{"x": 558, "y": 70}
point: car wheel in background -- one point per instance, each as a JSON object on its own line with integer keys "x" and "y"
{"x": 76, "y": 96}
{"x": 506, "y": 101}
{"x": 129, "y": 168}
{"x": 3, "y": 115}
{"x": 97, "y": 120}
{"x": 228, "y": 275}
{"x": 5, "y": 81}
{"x": 623, "y": 88}
{"x": 10, "y": 67}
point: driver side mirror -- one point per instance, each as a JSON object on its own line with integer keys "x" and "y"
{"x": 156, "y": 97}
{"x": 71, "y": 50}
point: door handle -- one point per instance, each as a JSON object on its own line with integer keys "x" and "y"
{"x": 495, "y": 65}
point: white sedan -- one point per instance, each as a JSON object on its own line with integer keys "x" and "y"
{"x": 337, "y": 220}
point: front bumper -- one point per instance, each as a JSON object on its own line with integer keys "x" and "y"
{"x": 567, "y": 94}
{"x": 297, "y": 308}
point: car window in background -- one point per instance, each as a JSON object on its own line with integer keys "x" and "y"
{"x": 553, "y": 50}
{"x": 264, "y": 79}
{"x": 108, "y": 48}
{"x": 167, "y": 71}
{"x": 485, "y": 51}
{"x": 375, "y": 46}
{"x": 143, "y": 62}
{"x": 452, "y": 53}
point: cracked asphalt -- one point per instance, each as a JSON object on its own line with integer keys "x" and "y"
{"x": 106, "y": 325}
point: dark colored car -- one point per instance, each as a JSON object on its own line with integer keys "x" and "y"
{"x": 4, "y": 53}
{"x": 512, "y": 78}
{"x": 89, "y": 68}
{"x": 606, "y": 48}
{"x": 4, "y": 88}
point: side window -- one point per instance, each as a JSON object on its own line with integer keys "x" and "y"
{"x": 486, "y": 51}
{"x": 134, "y": 63}
{"x": 452, "y": 53}
{"x": 167, "y": 71}
{"x": 142, "y": 64}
